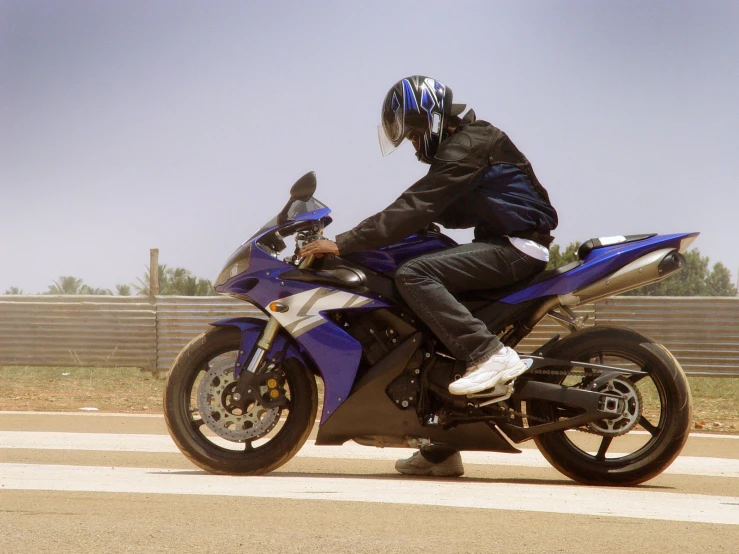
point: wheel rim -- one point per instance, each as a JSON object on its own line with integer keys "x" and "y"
{"x": 213, "y": 421}
{"x": 611, "y": 448}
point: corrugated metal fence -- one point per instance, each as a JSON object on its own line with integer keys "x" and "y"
{"x": 106, "y": 331}
{"x": 112, "y": 331}
{"x": 77, "y": 331}
{"x": 702, "y": 333}
{"x": 182, "y": 318}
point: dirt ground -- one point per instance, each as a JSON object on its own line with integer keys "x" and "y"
{"x": 129, "y": 390}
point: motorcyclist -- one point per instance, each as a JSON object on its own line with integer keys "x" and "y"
{"x": 477, "y": 179}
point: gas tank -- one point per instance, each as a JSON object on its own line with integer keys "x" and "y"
{"x": 389, "y": 258}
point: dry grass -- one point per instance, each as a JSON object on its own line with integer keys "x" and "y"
{"x": 715, "y": 403}
{"x": 69, "y": 389}
{"x": 129, "y": 390}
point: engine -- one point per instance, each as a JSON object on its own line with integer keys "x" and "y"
{"x": 379, "y": 332}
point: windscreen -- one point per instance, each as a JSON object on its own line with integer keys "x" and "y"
{"x": 297, "y": 208}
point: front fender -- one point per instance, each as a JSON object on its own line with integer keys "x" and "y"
{"x": 326, "y": 351}
{"x": 251, "y": 329}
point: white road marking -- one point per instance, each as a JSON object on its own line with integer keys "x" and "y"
{"x": 631, "y": 503}
{"x": 112, "y": 442}
{"x": 693, "y": 436}
{"x": 83, "y": 414}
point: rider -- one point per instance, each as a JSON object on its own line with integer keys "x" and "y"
{"x": 477, "y": 179}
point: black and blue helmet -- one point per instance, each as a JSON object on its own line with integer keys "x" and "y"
{"x": 417, "y": 108}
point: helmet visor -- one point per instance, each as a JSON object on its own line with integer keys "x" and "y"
{"x": 391, "y": 131}
{"x": 387, "y": 147}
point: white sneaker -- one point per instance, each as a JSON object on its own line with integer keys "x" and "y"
{"x": 504, "y": 366}
{"x": 418, "y": 465}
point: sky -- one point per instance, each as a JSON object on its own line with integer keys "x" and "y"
{"x": 181, "y": 125}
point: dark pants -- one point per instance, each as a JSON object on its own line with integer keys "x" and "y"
{"x": 427, "y": 283}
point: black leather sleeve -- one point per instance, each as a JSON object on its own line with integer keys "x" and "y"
{"x": 452, "y": 173}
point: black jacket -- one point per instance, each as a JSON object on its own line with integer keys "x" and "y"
{"x": 479, "y": 179}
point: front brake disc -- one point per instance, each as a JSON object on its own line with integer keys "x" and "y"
{"x": 222, "y": 416}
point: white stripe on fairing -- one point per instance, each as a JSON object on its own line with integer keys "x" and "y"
{"x": 299, "y": 319}
{"x": 162, "y": 444}
{"x": 562, "y": 499}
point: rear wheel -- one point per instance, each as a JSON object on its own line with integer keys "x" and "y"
{"x": 651, "y": 431}
{"x": 208, "y": 426}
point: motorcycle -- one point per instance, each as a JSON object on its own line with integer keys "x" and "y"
{"x": 604, "y": 405}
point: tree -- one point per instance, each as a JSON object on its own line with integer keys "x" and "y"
{"x": 14, "y": 290}
{"x": 188, "y": 285}
{"x": 718, "y": 282}
{"x": 176, "y": 281}
{"x": 66, "y": 284}
{"x": 558, "y": 258}
{"x": 85, "y": 289}
{"x": 123, "y": 290}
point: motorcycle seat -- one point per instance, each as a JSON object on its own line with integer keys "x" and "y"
{"x": 592, "y": 244}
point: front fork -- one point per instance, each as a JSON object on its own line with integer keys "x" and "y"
{"x": 267, "y": 337}
{"x": 247, "y": 387}
{"x": 263, "y": 345}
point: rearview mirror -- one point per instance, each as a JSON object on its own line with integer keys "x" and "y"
{"x": 304, "y": 187}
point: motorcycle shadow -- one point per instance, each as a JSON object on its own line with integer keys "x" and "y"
{"x": 463, "y": 479}
{"x": 394, "y": 477}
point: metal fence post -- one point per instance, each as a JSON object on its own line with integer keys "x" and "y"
{"x": 153, "y": 292}
{"x": 153, "y": 272}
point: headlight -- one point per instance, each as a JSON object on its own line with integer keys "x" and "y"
{"x": 238, "y": 263}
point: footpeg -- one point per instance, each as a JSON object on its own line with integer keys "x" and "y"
{"x": 499, "y": 390}
{"x": 497, "y": 394}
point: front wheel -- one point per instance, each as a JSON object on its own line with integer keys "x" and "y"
{"x": 646, "y": 438}
{"x": 217, "y": 435}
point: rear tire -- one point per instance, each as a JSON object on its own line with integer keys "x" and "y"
{"x": 211, "y": 453}
{"x": 667, "y": 425}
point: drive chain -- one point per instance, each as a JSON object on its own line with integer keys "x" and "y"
{"x": 567, "y": 373}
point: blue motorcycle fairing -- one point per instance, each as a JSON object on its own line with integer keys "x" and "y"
{"x": 600, "y": 263}
{"x": 336, "y": 355}
{"x": 251, "y": 329}
{"x": 333, "y": 355}
{"x": 261, "y": 282}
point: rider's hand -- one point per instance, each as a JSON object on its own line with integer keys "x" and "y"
{"x": 318, "y": 248}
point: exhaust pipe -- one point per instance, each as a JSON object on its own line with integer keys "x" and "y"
{"x": 650, "y": 268}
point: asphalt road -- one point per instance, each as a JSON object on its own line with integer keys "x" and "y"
{"x": 84, "y": 483}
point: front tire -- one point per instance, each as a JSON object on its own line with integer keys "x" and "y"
{"x": 254, "y": 445}
{"x": 664, "y": 420}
